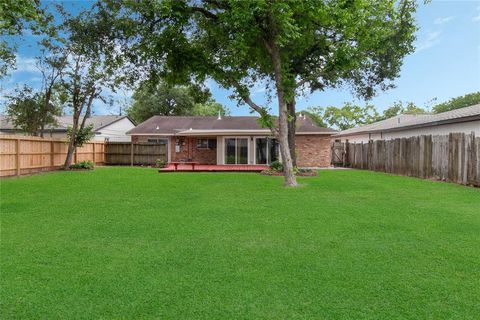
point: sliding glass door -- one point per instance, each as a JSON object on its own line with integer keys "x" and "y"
{"x": 266, "y": 150}
{"x": 236, "y": 151}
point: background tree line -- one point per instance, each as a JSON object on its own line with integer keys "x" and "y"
{"x": 351, "y": 115}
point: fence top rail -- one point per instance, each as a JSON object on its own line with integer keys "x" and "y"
{"x": 32, "y": 138}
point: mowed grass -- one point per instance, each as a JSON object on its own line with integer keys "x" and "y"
{"x": 129, "y": 243}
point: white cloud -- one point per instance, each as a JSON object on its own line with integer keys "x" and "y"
{"x": 26, "y": 64}
{"x": 443, "y": 20}
{"x": 476, "y": 19}
{"x": 432, "y": 39}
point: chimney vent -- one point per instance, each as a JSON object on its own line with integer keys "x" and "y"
{"x": 219, "y": 115}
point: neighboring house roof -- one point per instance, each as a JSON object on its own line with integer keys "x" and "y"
{"x": 412, "y": 121}
{"x": 192, "y": 125}
{"x": 64, "y": 122}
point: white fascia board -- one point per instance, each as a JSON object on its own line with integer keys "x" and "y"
{"x": 150, "y": 134}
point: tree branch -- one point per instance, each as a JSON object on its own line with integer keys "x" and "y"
{"x": 205, "y": 12}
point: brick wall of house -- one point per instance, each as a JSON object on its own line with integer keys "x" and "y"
{"x": 313, "y": 150}
{"x": 188, "y": 150}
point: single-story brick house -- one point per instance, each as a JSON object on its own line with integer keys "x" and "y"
{"x": 231, "y": 140}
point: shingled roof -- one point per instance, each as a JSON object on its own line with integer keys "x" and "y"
{"x": 171, "y": 125}
{"x": 64, "y": 122}
{"x": 411, "y": 121}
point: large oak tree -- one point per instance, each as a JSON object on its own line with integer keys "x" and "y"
{"x": 291, "y": 46}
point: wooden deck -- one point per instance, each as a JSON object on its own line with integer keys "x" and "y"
{"x": 214, "y": 168}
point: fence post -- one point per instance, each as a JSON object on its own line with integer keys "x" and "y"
{"x": 94, "y": 162}
{"x": 17, "y": 158}
{"x": 131, "y": 153}
{"x": 52, "y": 154}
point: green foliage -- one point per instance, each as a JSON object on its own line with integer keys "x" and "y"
{"x": 26, "y": 109}
{"x": 467, "y": 100}
{"x": 160, "y": 163}
{"x": 398, "y": 108}
{"x": 315, "y": 114}
{"x": 209, "y": 108}
{"x": 82, "y": 135}
{"x": 85, "y": 165}
{"x": 15, "y": 17}
{"x": 346, "y": 117}
{"x": 237, "y": 43}
{"x": 171, "y": 100}
{"x": 276, "y": 166}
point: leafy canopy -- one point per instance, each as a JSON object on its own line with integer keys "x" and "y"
{"x": 82, "y": 135}
{"x": 27, "y": 111}
{"x": 321, "y": 44}
{"x": 168, "y": 100}
{"x": 398, "y": 108}
{"x": 346, "y": 117}
{"x": 467, "y": 100}
{"x": 15, "y": 17}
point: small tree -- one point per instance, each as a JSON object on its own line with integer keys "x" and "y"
{"x": 27, "y": 111}
{"x": 51, "y": 64}
{"x": 84, "y": 75}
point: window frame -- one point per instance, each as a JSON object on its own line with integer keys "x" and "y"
{"x": 211, "y": 144}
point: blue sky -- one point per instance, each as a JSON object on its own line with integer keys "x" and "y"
{"x": 446, "y": 64}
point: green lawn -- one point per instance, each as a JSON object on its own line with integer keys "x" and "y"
{"x": 132, "y": 243}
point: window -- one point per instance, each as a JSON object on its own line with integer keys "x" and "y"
{"x": 206, "y": 143}
{"x": 266, "y": 150}
{"x": 236, "y": 150}
{"x": 158, "y": 141}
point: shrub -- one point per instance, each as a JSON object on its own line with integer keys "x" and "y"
{"x": 85, "y": 165}
{"x": 276, "y": 166}
{"x": 160, "y": 163}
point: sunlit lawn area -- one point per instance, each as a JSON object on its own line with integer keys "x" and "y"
{"x": 131, "y": 243}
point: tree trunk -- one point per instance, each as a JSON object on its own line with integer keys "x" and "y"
{"x": 71, "y": 143}
{"x": 292, "y": 123}
{"x": 46, "y": 103}
{"x": 42, "y": 129}
{"x": 290, "y": 178}
{"x": 70, "y": 152}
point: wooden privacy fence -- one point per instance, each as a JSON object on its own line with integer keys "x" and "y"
{"x": 25, "y": 155}
{"x": 126, "y": 153}
{"x": 454, "y": 157}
